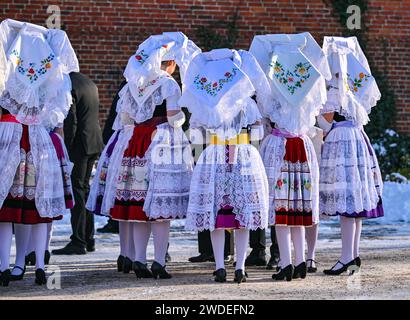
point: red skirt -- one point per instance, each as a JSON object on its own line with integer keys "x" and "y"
{"x": 22, "y": 209}
{"x": 293, "y": 197}
{"x": 132, "y": 183}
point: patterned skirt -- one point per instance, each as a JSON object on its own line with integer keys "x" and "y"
{"x": 19, "y": 206}
{"x": 350, "y": 178}
{"x": 292, "y": 170}
{"x": 130, "y": 185}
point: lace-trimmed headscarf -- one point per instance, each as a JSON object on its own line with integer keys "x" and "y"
{"x": 34, "y": 73}
{"x": 297, "y": 69}
{"x": 218, "y": 87}
{"x": 147, "y": 84}
{"x": 353, "y": 91}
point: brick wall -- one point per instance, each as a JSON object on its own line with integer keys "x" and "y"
{"x": 105, "y": 33}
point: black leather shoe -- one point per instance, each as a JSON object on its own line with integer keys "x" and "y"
{"x": 19, "y": 276}
{"x": 273, "y": 262}
{"x": 141, "y": 270}
{"x": 5, "y": 278}
{"x": 201, "y": 258}
{"x": 120, "y": 263}
{"x": 159, "y": 271}
{"x": 40, "y": 277}
{"x": 31, "y": 259}
{"x": 90, "y": 247}
{"x": 311, "y": 268}
{"x": 240, "y": 276}
{"x": 300, "y": 271}
{"x": 127, "y": 267}
{"x": 345, "y": 267}
{"x": 284, "y": 273}
{"x": 69, "y": 249}
{"x": 358, "y": 261}
{"x": 110, "y": 227}
{"x": 255, "y": 259}
{"x": 220, "y": 275}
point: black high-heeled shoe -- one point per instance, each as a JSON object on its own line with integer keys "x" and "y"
{"x": 19, "y": 276}
{"x": 31, "y": 259}
{"x": 284, "y": 273}
{"x": 127, "y": 266}
{"x": 358, "y": 261}
{"x": 300, "y": 271}
{"x": 5, "y": 277}
{"x": 40, "y": 277}
{"x": 159, "y": 271}
{"x": 240, "y": 276}
{"x": 344, "y": 268}
{"x": 120, "y": 263}
{"x": 141, "y": 270}
{"x": 311, "y": 268}
{"x": 220, "y": 275}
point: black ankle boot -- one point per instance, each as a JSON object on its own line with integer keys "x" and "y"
{"x": 300, "y": 271}
{"x": 344, "y": 268}
{"x": 40, "y": 277}
{"x": 220, "y": 275}
{"x": 240, "y": 276}
{"x": 120, "y": 263}
{"x": 127, "y": 267}
{"x": 141, "y": 270}
{"x": 284, "y": 273}
{"x": 5, "y": 278}
{"x": 159, "y": 271}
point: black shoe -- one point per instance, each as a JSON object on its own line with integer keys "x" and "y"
{"x": 284, "y": 273}
{"x": 358, "y": 261}
{"x": 257, "y": 259}
{"x": 127, "y": 267}
{"x": 168, "y": 257}
{"x": 350, "y": 266}
{"x": 90, "y": 247}
{"x": 300, "y": 271}
{"x": 159, "y": 271}
{"x": 271, "y": 263}
{"x": 220, "y": 275}
{"x": 110, "y": 227}
{"x": 40, "y": 277}
{"x": 120, "y": 263}
{"x": 47, "y": 257}
{"x": 240, "y": 276}
{"x": 5, "y": 278}
{"x": 311, "y": 268}
{"x": 69, "y": 249}
{"x": 141, "y": 270}
{"x": 19, "y": 276}
{"x": 31, "y": 259}
{"x": 201, "y": 258}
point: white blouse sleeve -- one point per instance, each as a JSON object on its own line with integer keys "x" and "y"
{"x": 171, "y": 93}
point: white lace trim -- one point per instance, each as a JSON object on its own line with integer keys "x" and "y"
{"x": 244, "y": 183}
{"x": 349, "y": 175}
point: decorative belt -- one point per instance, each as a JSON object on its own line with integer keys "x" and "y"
{"x": 284, "y": 133}
{"x": 8, "y": 118}
{"x": 242, "y": 138}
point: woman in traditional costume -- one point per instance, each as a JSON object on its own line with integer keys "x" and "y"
{"x": 144, "y": 173}
{"x": 296, "y": 68}
{"x": 35, "y": 97}
{"x": 229, "y": 188}
{"x": 350, "y": 178}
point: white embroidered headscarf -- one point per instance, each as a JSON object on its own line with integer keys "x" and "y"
{"x": 35, "y": 86}
{"x": 218, "y": 87}
{"x": 147, "y": 84}
{"x": 353, "y": 91}
{"x": 297, "y": 69}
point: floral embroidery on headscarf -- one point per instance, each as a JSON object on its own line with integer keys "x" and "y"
{"x": 213, "y": 87}
{"x": 293, "y": 80}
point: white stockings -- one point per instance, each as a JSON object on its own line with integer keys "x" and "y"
{"x": 285, "y": 235}
{"x": 6, "y": 234}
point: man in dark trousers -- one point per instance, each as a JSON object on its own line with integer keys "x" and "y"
{"x": 82, "y": 136}
{"x": 257, "y": 242}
